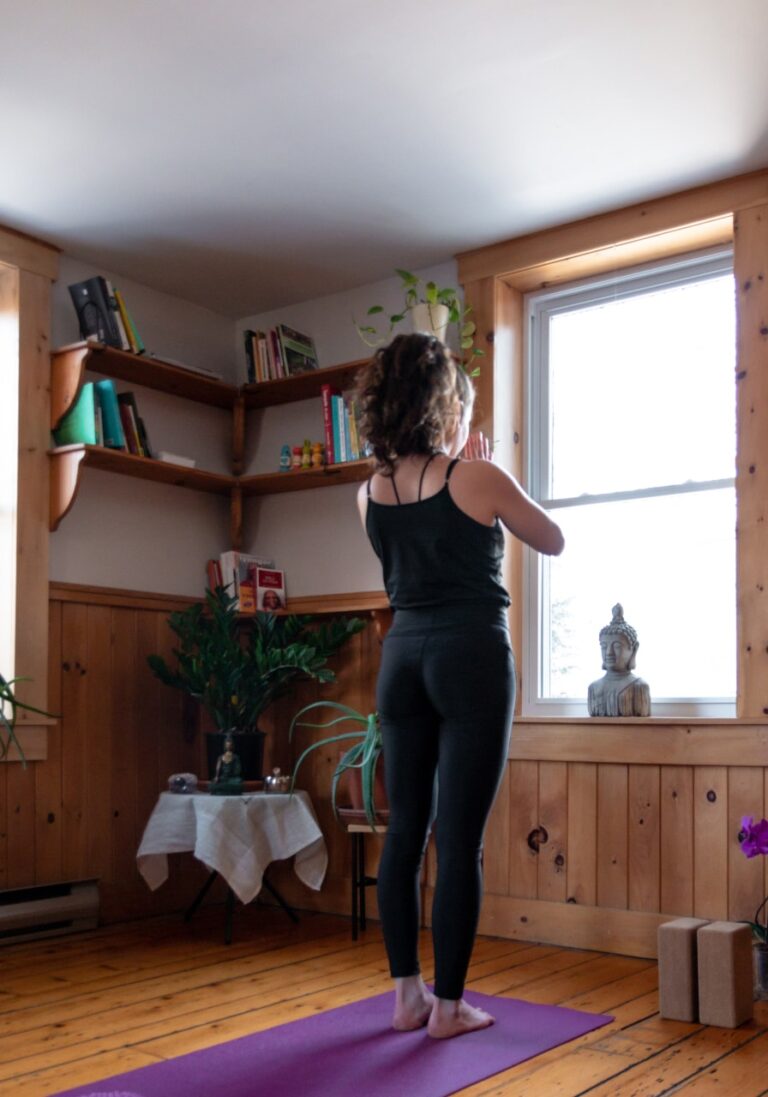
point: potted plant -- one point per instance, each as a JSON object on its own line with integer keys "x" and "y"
{"x": 753, "y": 840}
{"x": 361, "y": 759}
{"x": 9, "y": 704}
{"x": 236, "y": 667}
{"x": 431, "y": 309}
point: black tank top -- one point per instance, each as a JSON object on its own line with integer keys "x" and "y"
{"x": 433, "y": 554}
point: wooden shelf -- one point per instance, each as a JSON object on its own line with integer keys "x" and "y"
{"x": 301, "y": 387}
{"x": 69, "y": 460}
{"x": 69, "y": 363}
{"x": 275, "y": 483}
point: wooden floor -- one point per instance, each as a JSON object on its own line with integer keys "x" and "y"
{"x": 77, "y": 1009}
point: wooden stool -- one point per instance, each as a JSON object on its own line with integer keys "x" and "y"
{"x": 360, "y": 881}
{"x": 678, "y": 970}
{"x": 725, "y": 974}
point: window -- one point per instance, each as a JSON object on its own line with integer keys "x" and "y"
{"x": 631, "y": 403}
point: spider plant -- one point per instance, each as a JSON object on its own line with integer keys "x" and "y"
{"x": 9, "y": 704}
{"x": 363, "y": 756}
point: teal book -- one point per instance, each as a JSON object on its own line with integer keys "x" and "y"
{"x": 79, "y": 424}
{"x": 112, "y": 426}
{"x": 338, "y": 431}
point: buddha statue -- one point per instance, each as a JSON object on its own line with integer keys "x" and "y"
{"x": 227, "y": 780}
{"x": 619, "y": 692}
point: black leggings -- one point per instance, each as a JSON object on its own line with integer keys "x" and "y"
{"x": 445, "y": 698}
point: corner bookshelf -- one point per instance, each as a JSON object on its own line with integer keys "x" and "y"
{"x": 68, "y": 366}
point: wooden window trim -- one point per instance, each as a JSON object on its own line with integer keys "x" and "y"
{"x": 37, "y": 265}
{"x": 495, "y": 278}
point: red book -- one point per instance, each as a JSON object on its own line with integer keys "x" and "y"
{"x": 327, "y": 391}
{"x": 127, "y": 421}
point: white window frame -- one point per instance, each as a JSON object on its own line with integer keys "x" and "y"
{"x": 539, "y": 306}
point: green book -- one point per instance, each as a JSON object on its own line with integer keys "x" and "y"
{"x": 79, "y": 424}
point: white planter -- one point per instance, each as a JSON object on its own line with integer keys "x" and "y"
{"x": 430, "y": 318}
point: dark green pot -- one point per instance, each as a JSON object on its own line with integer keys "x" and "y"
{"x": 249, "y": 747}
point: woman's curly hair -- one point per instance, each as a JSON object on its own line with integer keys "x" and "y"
{"x": 412, "y": 396}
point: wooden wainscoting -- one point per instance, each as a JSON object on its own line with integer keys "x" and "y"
{"x": 601, "y": 830}
{"x": 80, "y": 813}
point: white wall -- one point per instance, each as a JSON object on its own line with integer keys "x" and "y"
{"x": 134, "y": 534}
{"x": 137, "y": 535}
{"x": 316, "y": 536}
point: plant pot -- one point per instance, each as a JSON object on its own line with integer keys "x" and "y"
{"x": 760, "y": 968}
{"x": 249, "y": 747}
{"x": 430, "y": 318}
{"x": 352, "y": 783}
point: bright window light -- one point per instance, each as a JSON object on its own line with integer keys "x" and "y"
{"x": 633, "y": 417}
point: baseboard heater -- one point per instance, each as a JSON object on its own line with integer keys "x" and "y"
{"x": 47, "y": 910}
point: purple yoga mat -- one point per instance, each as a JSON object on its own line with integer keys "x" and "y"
{"x": 352, "y": 1050}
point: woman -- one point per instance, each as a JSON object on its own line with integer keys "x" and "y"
{"x": 446, "y": 686}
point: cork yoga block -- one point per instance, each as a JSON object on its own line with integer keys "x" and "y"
{"x": 678, "y": 968}
{"x": 725, "y": 974}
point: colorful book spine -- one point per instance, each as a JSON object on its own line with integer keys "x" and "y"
{"x": 125, "y": 343}
{"x": 129, "y": 414}
{"x": 250, "y": 362}
{"x": 327, "y": 392}
{"x": 337, "y": 406}
{"x": 137, "y": 346}
{"x": 347, "y": 442}
{"x": 110, "y": 414}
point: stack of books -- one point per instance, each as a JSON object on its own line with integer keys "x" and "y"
{"x": 103, "y": 417}
{"x": 103, "y": 315}
{"x": 253, "y": 580}
{"x": 277, "y": 353}
{"x": 341, "y": 418}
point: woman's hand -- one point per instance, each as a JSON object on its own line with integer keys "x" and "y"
{"x": 478, "y": 448}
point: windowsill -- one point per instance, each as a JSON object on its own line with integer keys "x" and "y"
{"x": 646, "y": 721}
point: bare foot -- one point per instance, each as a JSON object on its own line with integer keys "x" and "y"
{"x": 454, "y": 1018}
{"x": 413, "y": 1004}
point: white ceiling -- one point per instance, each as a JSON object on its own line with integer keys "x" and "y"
{"x": 247, "y": 154}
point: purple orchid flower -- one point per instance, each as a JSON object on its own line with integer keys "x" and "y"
{"x": 753, "y": 837}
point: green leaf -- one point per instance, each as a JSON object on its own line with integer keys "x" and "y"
{"x": 374, "y": 309}
{"x": 466, "y": 343}
{"x": 469, "y": 328}
{"x": 431, "y": 293}
{"x": 408, "y": 278}
{"x": 397, "y": 318}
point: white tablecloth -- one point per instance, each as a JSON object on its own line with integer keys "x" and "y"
{"x": 238, "y": 836}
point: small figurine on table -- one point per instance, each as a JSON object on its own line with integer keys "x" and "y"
{"x": 285, "y": 459}
{"x": 306, "y": 454}
{"x": 227, "y": 780}
{"x": 317, "y": 455}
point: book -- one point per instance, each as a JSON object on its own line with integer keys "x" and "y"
{"x": 176, "y": 459}
{"x": 337, "y": 415}
{"x": 124, "y": 340}
{"x": 347, "y": 440}
{"x": 234, "y": 563}
{"x": 129, "y": 428}
{"x": 104, "y": 392}
{"x": 262, "y": 359}
{"x": 270, "y": 589}
{"x": 250, "y": 360}
{"x": 94, "y": 312}
{"x": 137, "y": 346}
{"x": 79, "y": 424}
{"x": 129, "y": 400}
{"x": 326, "y": 393}
{"x": 298, "y": 351}
{"x": 276, "y": 362}
{"x": 247, "y": 568}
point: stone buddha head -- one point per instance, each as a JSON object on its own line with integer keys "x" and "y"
{"x": 618, "y": 643}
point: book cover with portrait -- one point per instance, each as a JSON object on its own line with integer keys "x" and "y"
{"x": 270, "y": 590}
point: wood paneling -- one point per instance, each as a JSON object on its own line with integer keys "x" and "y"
{"x": 647, "y": 219}
{"x": 750, "y": 272}
{"x": 578, "y": 851}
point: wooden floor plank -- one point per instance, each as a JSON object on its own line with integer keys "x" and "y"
{"x": 116, "y": 999}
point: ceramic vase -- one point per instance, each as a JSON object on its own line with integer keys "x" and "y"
{"x": 430, "y": 318}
